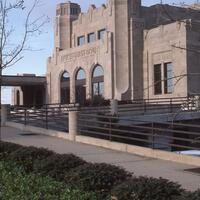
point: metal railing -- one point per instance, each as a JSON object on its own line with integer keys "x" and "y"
{"x": 160, "y": 105}
{"x": 49, "y": 116}
{"x": 163, "y": 136}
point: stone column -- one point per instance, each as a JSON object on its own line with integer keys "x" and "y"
{"x": 4, "y": 114}
{"x": 197, "y": 102}
{"x": 114, "y": 107}
{"x": 73, "y": 124}
{"x": 21, "y": 97}
{"x": 72, "y": 91}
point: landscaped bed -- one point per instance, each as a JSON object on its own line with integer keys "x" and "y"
{"x": 39, "y": 174}
{"x": 16, "y": 184}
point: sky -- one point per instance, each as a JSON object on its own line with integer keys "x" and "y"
{"x": 34, "y": 62}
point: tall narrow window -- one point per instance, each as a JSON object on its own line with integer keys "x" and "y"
{"x": 65, "y": 88}
{"x": 101, "y": 33}
{"x": 80, "y": 86}
{"x": 168, "y": 77}
{"x": 98, "y": 81}
{"x": 91, "y": 37}
{"x": 81, "y": 40}
{"x": 157, "y": 79}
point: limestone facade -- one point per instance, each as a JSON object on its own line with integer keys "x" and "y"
{"x": 139, "y": 52}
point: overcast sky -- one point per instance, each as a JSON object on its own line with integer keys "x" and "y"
{"x": 35, "y": 62}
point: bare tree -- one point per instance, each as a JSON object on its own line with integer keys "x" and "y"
{"x": 12, "y": 47}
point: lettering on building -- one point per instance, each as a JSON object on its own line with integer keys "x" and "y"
{"x": 79, "y": 54}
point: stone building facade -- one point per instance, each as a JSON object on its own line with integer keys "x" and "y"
{"x": 123, "y": 50}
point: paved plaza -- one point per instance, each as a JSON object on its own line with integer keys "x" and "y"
{"x": 137, "y": 164}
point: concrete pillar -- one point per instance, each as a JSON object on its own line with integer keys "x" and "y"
{"x": 88, "y": 86}
{"x": 73, "y": 124}
{"x": 197, "y": 102}
{"x": 114, "y": 107}
{"x": 21, "y": 98}
{"x": 4, "y": 113}
{"x": 72, "y": 91}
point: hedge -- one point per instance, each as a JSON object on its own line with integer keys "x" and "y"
{"x": 57, "y": 165}
{"x": 145, "y": 188}
{"x": 27, "y": 156}
{"x": 103, "y": 179}
{"x": 16, "y": 184}
{"x": 6, "y": 148}
{"x": 100, "y": 178}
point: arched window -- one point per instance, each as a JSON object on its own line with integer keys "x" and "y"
{"x": 98, "y": 81}
{"x": 80, "y": 74}
{"x": 80, "y": 86}
{"x": 65, "y": 88}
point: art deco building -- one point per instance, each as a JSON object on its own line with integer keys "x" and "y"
{"x": 123, "y": 50}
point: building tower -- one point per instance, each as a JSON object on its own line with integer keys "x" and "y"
{"x": 66, "y": 13}
{"x": 127, "y": 19}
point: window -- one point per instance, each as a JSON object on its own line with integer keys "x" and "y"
{"x": 168, "y": 78}
{"x": 80, "y": 87}
{"x": 91, "y": 37}
{"x": 81, "y": 40}
{"x": 65, "y": 88}
{"x": 98, "y": 89}
{"x": 98, "y": 81}
{"x": 157, "y": 79}
{"x": 101, "y": 88}
{"x": 80, "y": 75}
{"x": 74, "y": 11}
{"x": 101, "y": 33}
{"x": 95, "y": 89}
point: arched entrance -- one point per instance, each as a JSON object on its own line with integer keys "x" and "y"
{"x": 65, "y": 88}
{"x": 98, "y": 81}
{"x": 80, "y": 86}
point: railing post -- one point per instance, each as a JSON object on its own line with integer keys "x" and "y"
{"x": 46, "y": 116}
{"x": 171, "y": 109}
{"x": 152, "y": 133}
{"x": 25, "y": 116}
{"x": 197, "y": 102}
{"x": 4, "y": 114}
{"x": 73, "y": 124}
{"x": 144, "y": 106}
{"x": 188, "y": 103}
{"x": 114, "y": 107}
{"x": 110, "y": 129}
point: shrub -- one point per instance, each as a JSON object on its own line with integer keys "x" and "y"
{"x": 57, "y": 165}
{"x": 26, "y": 156}
{"x": 6, "y": 148}
{"x": 97, "y": 177}
{"x": 190, "y": 196}
{"x": 17, "y": 185}
{"x": 97, "y": 101}
{"x": 144, "y": 188}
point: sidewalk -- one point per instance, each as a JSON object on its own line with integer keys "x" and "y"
{"x": 137, "y": 164}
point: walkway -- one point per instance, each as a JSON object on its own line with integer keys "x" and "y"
{"x": 137, "y": 164}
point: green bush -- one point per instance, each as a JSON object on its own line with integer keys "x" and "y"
{"x": 17, "y": 185}
{"x": 190, "y": 196}
{"x": 144, "y": 188}
{"x": 57, "y": 165}
{"x": 6, "y": 148}
{"x": 99, "y": 178}
{"x": 26, "y": 156}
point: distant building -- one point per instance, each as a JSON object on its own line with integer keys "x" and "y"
{"x": 123, "y": 51}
